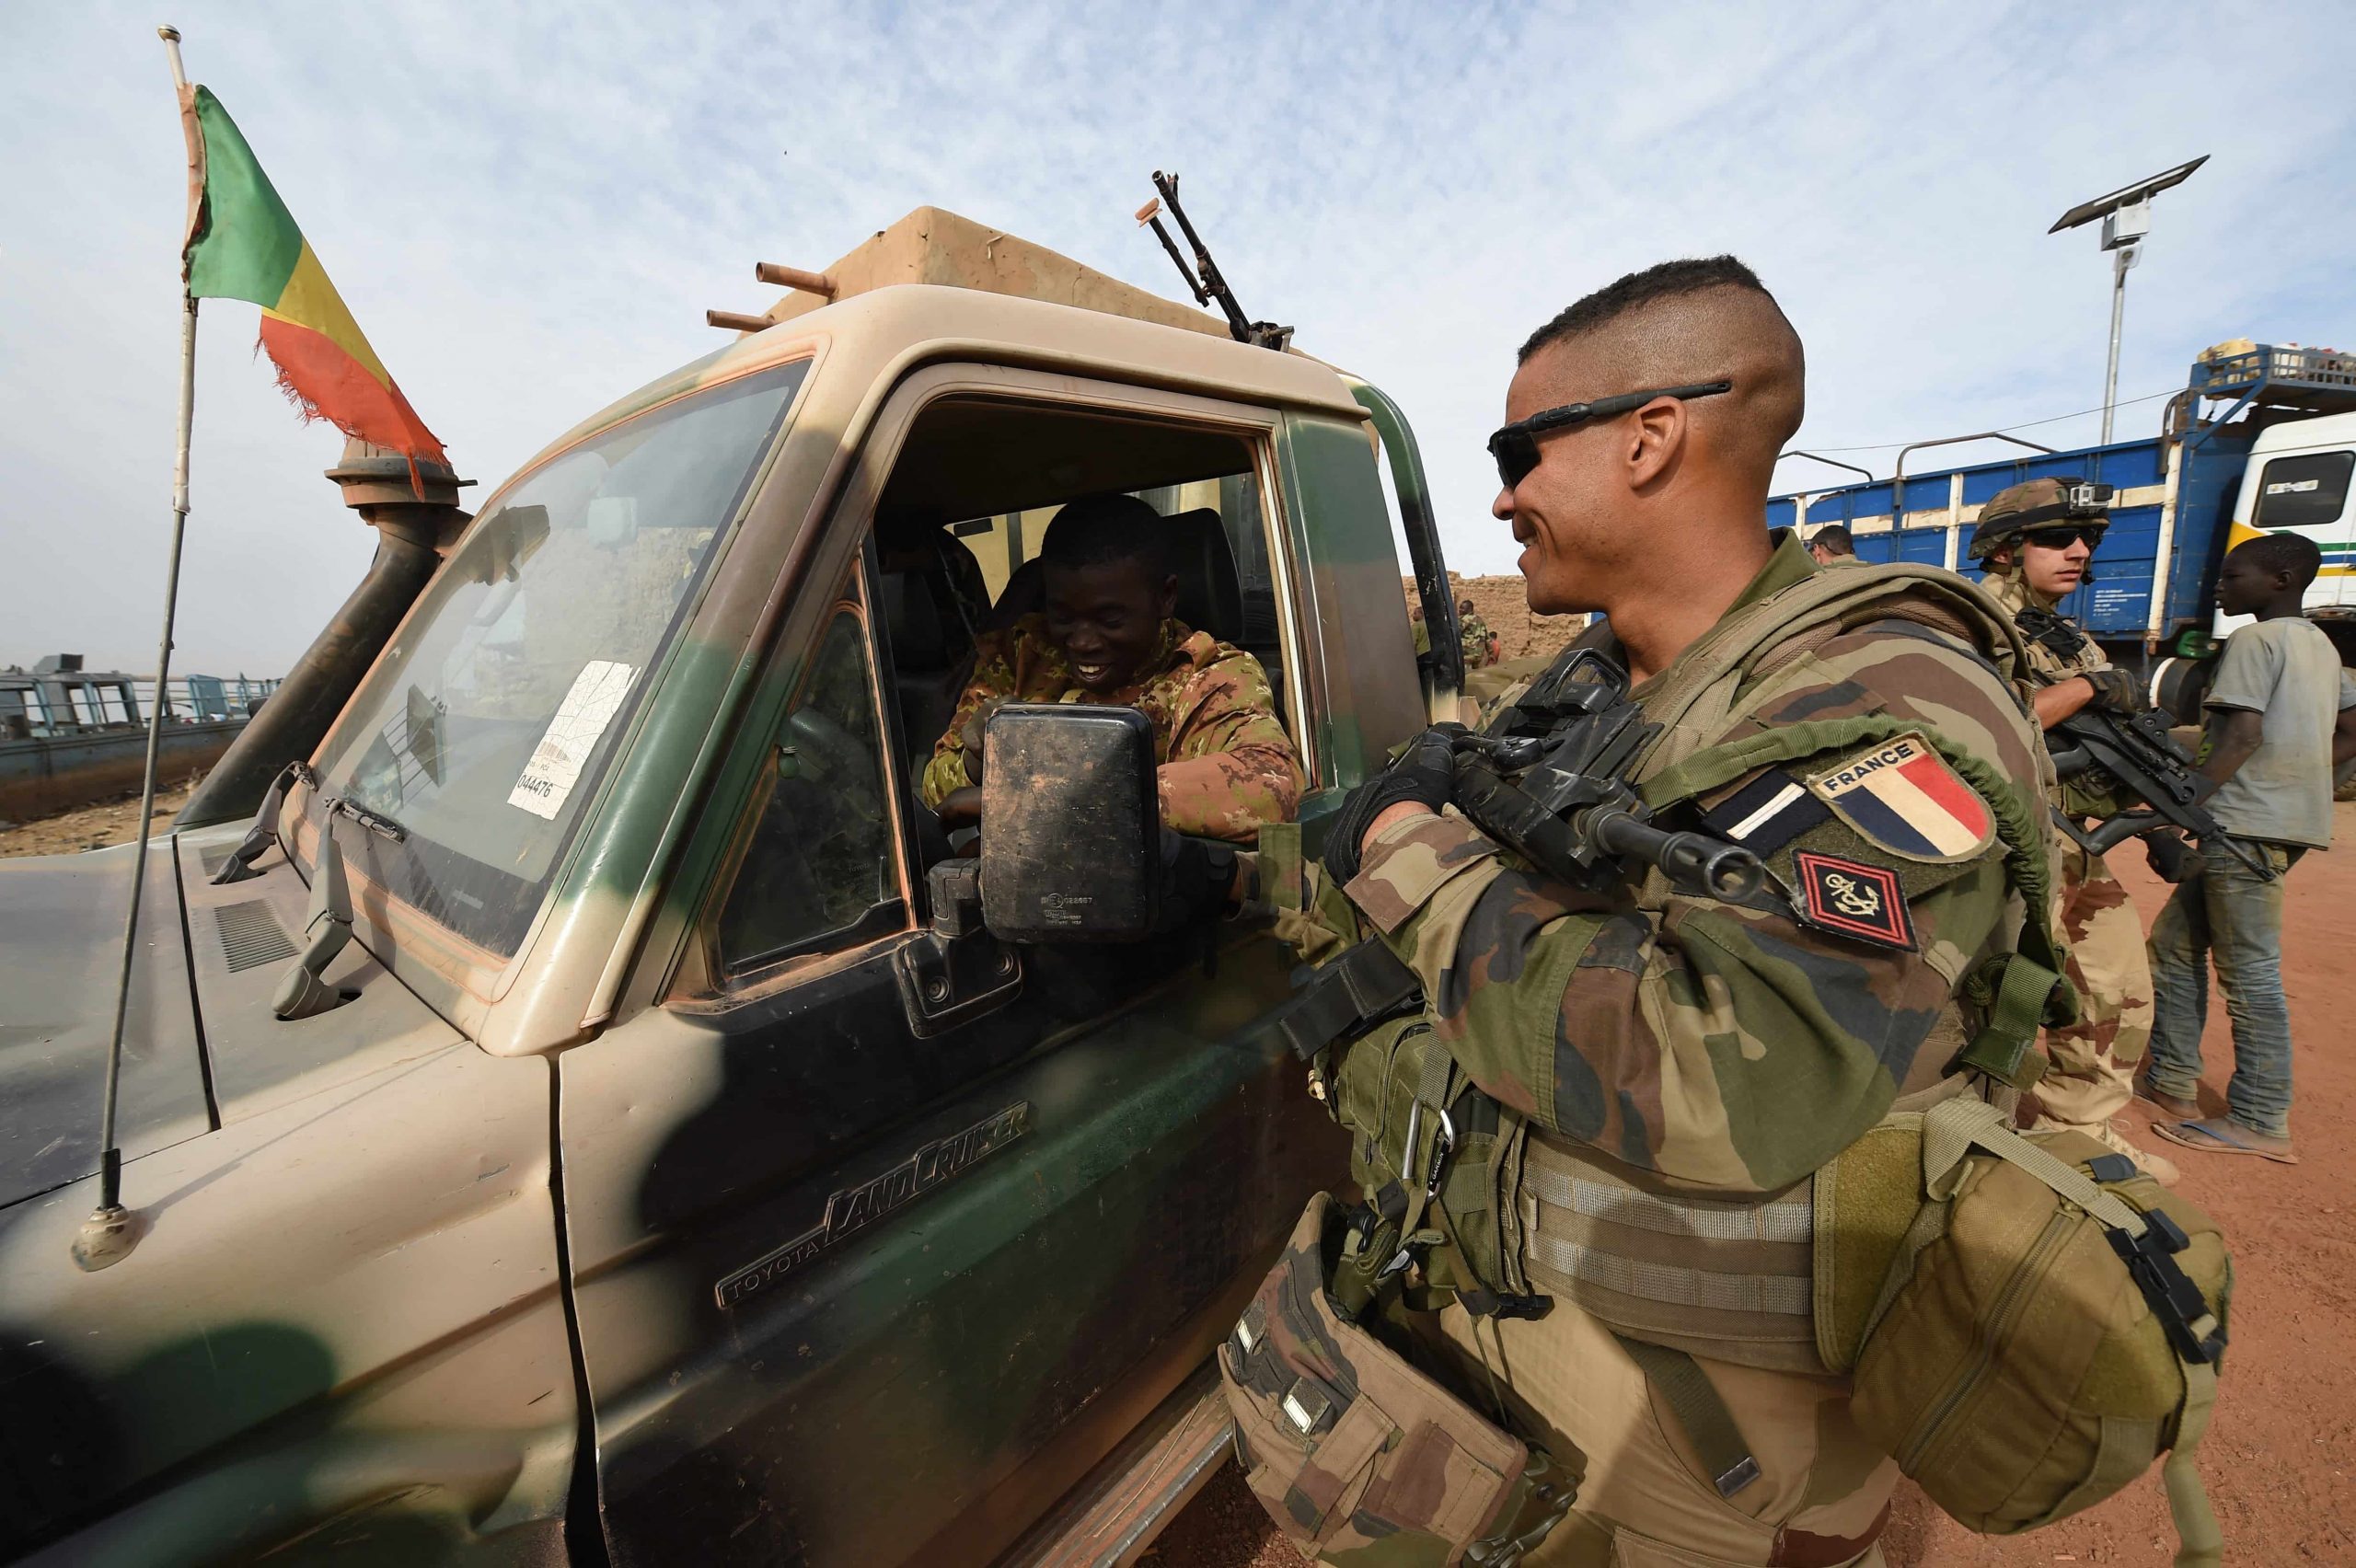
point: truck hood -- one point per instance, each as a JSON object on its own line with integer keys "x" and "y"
{"x": 199, "y": 1046}
{"x": 61, "y": 953}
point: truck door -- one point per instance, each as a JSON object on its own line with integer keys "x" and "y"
{"x": 876, "y": 1253}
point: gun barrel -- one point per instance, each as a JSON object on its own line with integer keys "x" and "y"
{"x": 1724, "y": 870}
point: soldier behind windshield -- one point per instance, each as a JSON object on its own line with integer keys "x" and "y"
{"x": 1108, "y": 634}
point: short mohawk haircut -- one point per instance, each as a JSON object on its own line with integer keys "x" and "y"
{"x": 2295, "y": 555}
{"x": 1665, "y": 280}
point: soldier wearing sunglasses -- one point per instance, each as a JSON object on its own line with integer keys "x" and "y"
{"x": 1674, "y": 1059}
{"x": 2037, "y": 542}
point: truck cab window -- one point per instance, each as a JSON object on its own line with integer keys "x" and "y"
{"x": 967, "y": 506}
{"x": 2306, "y": 491}
{"x": 819, "y": 871}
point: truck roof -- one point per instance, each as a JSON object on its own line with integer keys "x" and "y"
{"x": 933, "y": 244}
{"x": 2324, "y": 429}
{"x": 871, "y": 339}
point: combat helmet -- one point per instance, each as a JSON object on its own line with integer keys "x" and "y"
{"x": 2036, "y": 504}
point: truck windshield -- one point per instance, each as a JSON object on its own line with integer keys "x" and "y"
{"x": 483, "y": 728}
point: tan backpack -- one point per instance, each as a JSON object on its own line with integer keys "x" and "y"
{"x": 2029, "y": 1322}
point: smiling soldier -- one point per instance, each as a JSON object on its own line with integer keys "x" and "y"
{"x": 1680, "y": 1065}
{"x": 1108, "y": 635}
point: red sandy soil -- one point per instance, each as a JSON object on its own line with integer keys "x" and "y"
{"x": 2278, "y": 1453}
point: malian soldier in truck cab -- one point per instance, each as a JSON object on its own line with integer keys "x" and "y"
{"x": 1677, "y": 1066}
{"x": 1107, "y": 635}
{"x": 2036, "y": 541}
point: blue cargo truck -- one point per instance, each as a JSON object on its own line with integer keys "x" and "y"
{"x": 2261, "y": 437}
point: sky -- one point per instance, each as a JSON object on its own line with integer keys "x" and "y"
{"x": 529, "y": 207}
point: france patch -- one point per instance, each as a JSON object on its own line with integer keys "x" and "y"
{"x": 1901, "y": 796}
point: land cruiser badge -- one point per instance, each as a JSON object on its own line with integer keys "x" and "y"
{"x": 854, "y": 1209}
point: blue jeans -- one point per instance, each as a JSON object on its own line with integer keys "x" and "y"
{"x": 2226, "y": 910}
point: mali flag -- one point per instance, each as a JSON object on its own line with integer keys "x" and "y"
{"x": 243, "y": 244}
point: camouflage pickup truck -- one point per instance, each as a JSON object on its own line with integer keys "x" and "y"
{"x": 660, "y": 1172}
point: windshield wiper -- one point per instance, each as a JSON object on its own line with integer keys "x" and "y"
{"x": 263, "y": 834}
{"x": 374, "y": 822}
{"x": 326, "y": 927}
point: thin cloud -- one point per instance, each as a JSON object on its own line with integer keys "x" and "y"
{"x": 529, "y": 208}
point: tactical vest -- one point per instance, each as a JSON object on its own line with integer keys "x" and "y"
{"x": 1528, "y": 1215}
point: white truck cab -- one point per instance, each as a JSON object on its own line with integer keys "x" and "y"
{"x": 2299, "y": 481}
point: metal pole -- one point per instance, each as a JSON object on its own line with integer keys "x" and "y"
{"x": 2121, "y": 259}
{"x": 105, "y": 1237}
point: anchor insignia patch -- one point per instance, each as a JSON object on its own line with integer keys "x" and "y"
{"x": 1852, "y": 899}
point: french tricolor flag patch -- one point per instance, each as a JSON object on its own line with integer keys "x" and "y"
{"x": 1902, "y": 796}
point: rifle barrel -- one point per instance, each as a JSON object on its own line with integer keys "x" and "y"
{"x": 1724, "y": 870}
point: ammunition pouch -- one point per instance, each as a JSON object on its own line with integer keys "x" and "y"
{"x": 1359, "y": 1453}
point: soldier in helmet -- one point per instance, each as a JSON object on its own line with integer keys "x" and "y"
{"x": 1678, "y": 1064}
{"x": 2034, "y": 541}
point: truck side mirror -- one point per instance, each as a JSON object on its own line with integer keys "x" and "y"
{"x": 1071, "y": 825}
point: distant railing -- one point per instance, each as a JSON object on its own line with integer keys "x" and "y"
{"x": 71, "y": 702}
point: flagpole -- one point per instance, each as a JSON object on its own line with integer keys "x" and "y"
{"x": 107, "y": 1237}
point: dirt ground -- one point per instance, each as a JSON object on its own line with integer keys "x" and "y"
{"x": 91, "y": 827}
{"x": 1501, "y": 603}
{"x": 2277, "y": 1456}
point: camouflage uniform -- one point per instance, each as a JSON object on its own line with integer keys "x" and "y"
{"x": 1226, "y": 765}
{"x": 1677, "y": 1044}
{"x": 1473, "y": 637}
{"x": 2092, "y": 1075}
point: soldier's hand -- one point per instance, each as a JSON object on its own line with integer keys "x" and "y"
{"x": 2115, "y": 689}
{"x": 1424, "y": 773}
{"x": 971, "y": 736}
{"x": 1197, "y": 879}
{"x": 960, "y": 808}
{"x": 2172, "y": 858}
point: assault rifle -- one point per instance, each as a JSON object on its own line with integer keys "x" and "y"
{"x": 1548, "y": 778}
{"x": 2143, "y": 760}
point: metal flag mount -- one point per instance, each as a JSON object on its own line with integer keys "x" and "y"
{"x": 112, "y": 1231}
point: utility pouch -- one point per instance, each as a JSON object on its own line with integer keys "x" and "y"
{"x": 1358, "y": 1454}
{"x": 2029, "y": 1322}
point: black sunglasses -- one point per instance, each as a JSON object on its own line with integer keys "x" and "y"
{"x": 1516, "y": 446}
{"x": 2061, "y": 539}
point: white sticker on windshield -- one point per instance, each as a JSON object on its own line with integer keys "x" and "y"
{"x": 572, "y": 735}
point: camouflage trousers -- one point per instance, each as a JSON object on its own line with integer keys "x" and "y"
{"x": 2093, "y": 1072}
{"x": 1821, "y": 1497}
